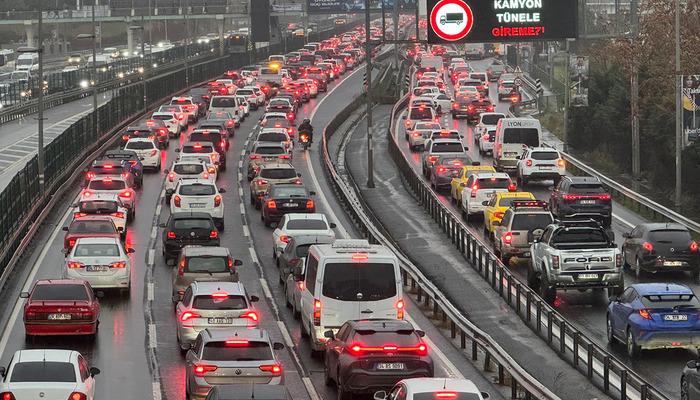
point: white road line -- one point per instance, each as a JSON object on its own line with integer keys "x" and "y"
{"x": 152, "y": 340}
{"x": 625, "y": 222}
{"x": 158, "y": 209}
{"x": 30, "y": 279}
{"x": 253, "y": 255}
{"x": 151, "y": 291}
{"x": 310, "y": 388}
{"x": 151, "y": 256}
{"x": 240, "y": 163}
{"x": 156, "y": 391}
{"x": 154, "y": 232}
{"x": 242, "y": 152}
{"x": 266, "y": 289}
{"x": 240, "y": 192}
{"x": 285, "y": 334}
{"x": 240, "y": 177}
{"x": 246, "y": 231}
{"x": 242, "y": 208}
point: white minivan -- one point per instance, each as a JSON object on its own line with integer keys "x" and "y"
{"x": 230, "y": 104}
{"x": 348, "y": 280}
{"x": 513, "y": 135}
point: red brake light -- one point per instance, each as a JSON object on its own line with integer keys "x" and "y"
{"x": 648, "y": 247}
{"x": 71, "y": 243}
{"x": 528, "y": 163}
{"x": 126, "y": 194}
{"x": 512, "y": 187}
{"x": 90, "y": 175}
{"x": 118, "y": 214}
{"x": 171, "y": 177}
{"x": 177, "y": 200}
{"x": 644, "y": 313}
{"x": 118, "y": 264}
{"x": 276, "y": 369}
{"x": 125, "y": 138}
{"x": 171, "y": 235}
{"x": 200, "y": 369}
{"x": 285, "y": 239}
{"x": 310, "y": 204}
{"x": 271, "y": 204}
{"x": 251, "y": 315}
{"x": 441, "y": 169}
{"x": 498, "y": 214}
{"x": 75, "y": 265}
{"x": 230, "y": 123}
{"x": 7, "y": 396}
{"x": 197, "y": 146}
{"x": 446, "y": 395}
{"x": 475, "y": 188}
{"x": 507, "y": 238}
{"x": 400, "y": 309}
{"x": 284, "y": 157}
{"x": 213, "y": 234}
{"x": 217, "y": 200}
{"x": 317, "y": 312}
{"x": 254, "y": 157}
{"x": 73, "y": 396}
{"x": 694, "y": 246}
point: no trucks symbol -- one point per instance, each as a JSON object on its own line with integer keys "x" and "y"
{"x": 451, "y": 20}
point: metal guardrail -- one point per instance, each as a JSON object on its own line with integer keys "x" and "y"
{"x": 598, "y": 365}
{"x": 471, "y": 337}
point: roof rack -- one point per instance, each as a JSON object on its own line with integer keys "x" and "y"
{"x": 530, "y": 204}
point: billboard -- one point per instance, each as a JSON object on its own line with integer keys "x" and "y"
{"x": 578, "y": 77}
{"x": 355, "y": 6}
{"x": 480, "y": 21}
{"x": 691, "y": 113}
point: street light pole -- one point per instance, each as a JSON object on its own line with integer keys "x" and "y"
{"x": 368, "y": 72}
{"x": 679, "y": 108}
{"x": 40, "y": 140}
{"x": 94, "y": 69}
{"x": 187, "y": 42}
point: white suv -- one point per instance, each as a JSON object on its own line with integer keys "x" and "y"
{"x": 540, "y": 163}
{"x": 194, "y": 169}
{"x": 170, "y": 120}
{"x": 147, "y": 151}
{"x": 199, "y": 195}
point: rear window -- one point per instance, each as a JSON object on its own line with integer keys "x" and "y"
{"x": 223, "y": 102}
{"x": 194, "y": 223}
{"x": 289, "y": 191}
{"x": 544, "y": 155}
{"x": 401, "y": 338}
{"x": 229, "y": 302}
{"x": 268, "y": 71}
{"x": 527, "y": 136}
{"x": 96, "y": 250}
{"x": 671, "y": 301}
{"x": 670, "y": 236}
{"x": 494, "y": 183}
{"x": 206, "y": 264}
{"x": 529, "y": 222}
{"x": 428, "y": 126}
{"x": 43, "y": 371}
{"x": 344, "y": 281}
{"x": 278, "y": 173}
{"x": 508, "y": 84}
{"x": 421, "y": 113}
{"x": 269, "y": 150}
{"x": 92, "y": 226}
{"x": 95, "y": 206}
{"x": 307, "y": 224}
{"x": 251, "y": 351}
{"x": 491, "y": 119}
{"x": 454, "y": 161}
{"x": 447, "y": 147}
{"x": 213, "y": 137}
{"x": 60, "y": 292}
{"x": 197, "y": 149}
{"x": 566, "y": 236}
{"x": 272, "y": 137}
{"x": 219, "y": 115}
{"x": 244, "y": 92}
{"x": 587, "y": 188}
{"x": 107, "y": 185}
{"x": 163, "y": 117}
{"x": 459, "y": 396}
{"x": 140, "y": 145}
{"x": 197, "y": 190}
{"x": 188, "y": 169}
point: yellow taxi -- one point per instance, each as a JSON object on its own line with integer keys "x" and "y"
{"x": 497, "y": 206}
{"x": 456, "y": 185}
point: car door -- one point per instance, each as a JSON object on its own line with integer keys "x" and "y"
{"x": 335, "y": 347}
{"x": 461, "y": 189}
{"x": 489, "y": 210}
{"x": 307, "y": 296}
{"x": 535, "y": 247}
{"x": 617, "y": 317}
{"x": 553, "y": 200}
{"x": 631, "y": 245}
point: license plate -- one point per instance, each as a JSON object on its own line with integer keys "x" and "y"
{"x": 526, "y": 254}
{"x": 97, "y": 268}
{"x": 587, "y": 201}
{"x": 220, "y": 321}
{"x": 384, "y": 366}
{"x": 588, "y": 276}
{"x": 197, "y": 205}
{"x": 59, "y": 317}
{"x": 673, "y": 263}
{"x": 269, "y": 158}
{"x": 289, "y": 205}
{"x": 545, "y": 166}
{"x": 675, "y": 317}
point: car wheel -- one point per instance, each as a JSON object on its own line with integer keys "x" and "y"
{"x": 696, "y": 276}
{"x": 609, "y": 330}
{"x": 533, "y": 280}
{"x": 327, "y": 376}
{"x": 638, "y": 269}
{"x": 684, "y": 389}
{"x": 633, "y": 349}
{"x": 342, "y": 394}
{"x": 548, "y": 293}
{"x": 287, "y": 303}
{"x": 295, "y": 311}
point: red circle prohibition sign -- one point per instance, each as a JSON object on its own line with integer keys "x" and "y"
{"x": 468, "y": 23}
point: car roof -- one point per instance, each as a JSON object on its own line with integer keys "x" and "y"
{"x": 140, "y": 140}
{"x": 582, "y": 179}
{"x": 547, "y": 149}
{"x": 44, "y": 355}
{"x": 97, "y": 240}
{"x": 258, "y": 391}
{"x": 196, "y": 181}
{"x": 650, "y": 289}
{"x": 514, "y": 194}
{"x": 102, "y": 197}
{"x": 190, "y": 215}
{"x": 298, "y": 216}
{"x": 218, "y": 335}
{"x": 655, "y": 226}
{"x": 60, "y": 282}
{"x": 277, "y": 166}
{"x": 490, "y": 174}
{"x": 422, "y": 385}
{"x": 192, "y": 250}
{"x": 232, "y": 288}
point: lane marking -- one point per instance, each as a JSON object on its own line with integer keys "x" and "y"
{"x": 151, "y": 291}
{"x": 240, "y": 193}
{"x": 242, "y": 207}
{"x": 154, "y": 232}
{"x": 151, "y": 256}
{"x": 246, "y": 231}
{"x": 158, "y": 208}
{"x": 253, "y": 256}
{"x": 152, "y": 342}
{"x": 310, "y": 388}
{"x": 452, "y": 369}
{"x": 156, "y": 391}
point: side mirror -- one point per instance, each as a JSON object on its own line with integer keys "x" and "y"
{"x": 120, "y": 229}
{"x": 461, "y": 136}
{"x": 99, "y": 294}
{"x": 380, "y": 395}
{"x": 130, "y": 250}
{"x": 24, "y": 295}
{"x": 170, "y": 192}
{"x": 626, "y": 235}
{"x": 312, "y": 193}
{"x": 403, "y": 117}
{"x": 94, "y": 371}
{"x": 613, "y": 299}
{"x": 420, "y": 333}
{"x": 299, "y": 174}
{"x": 222, "y": 190}
{"x": 165, "y": 171}
{"x": 176, "y": 150}
{"x": 65, "y": 229}
{"x": 694, "y": 364}
{"x": 517, "y": 157}
{"x": 466, "y": 148}
{"x": 162, "y": 225}
{"x": 484, "y": 203}
{"x": 278, "y": 346}
{"x": 333, "y": 225}
{"x": 485, "y": 395}
{"x": 254, "y": 299}
{"x": 237, "y": 263}
{"x": 329, "y": 335}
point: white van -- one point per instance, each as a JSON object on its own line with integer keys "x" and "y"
{"x": 228, "y": 103}
{"x": 348, "y": 280}
{"x": 432, "y": 61}
{"x": 27, "y": 62}
{"x": 512, "y": 136}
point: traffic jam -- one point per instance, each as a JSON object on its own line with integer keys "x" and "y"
{"x": 346, "y": 294}
{"x": 556, "y": 230}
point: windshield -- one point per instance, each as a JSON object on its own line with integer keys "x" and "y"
{"x": 211, "y": 264}
{"x": 491, "y": 119}
{"x": 527, "y": 136}
{"x": 60, "y": 292}
{"x": 289, "y": 191}
{"x": 230, "y": 302}
{"x": 344, "y": 281}
{"x": 96, "y": 250}
{"x": 670, "y": 236}
{"x": 188, "y": 169}
{"x": 43, "y": 371}
{"x": 544, "y": 155}
{"x": 529, "y": 222}
{"x": 250, "y": 351}
{"x": 578, "y": 236}
{"x": 269, "y": 150}
{"x": 223, "y": 102}
{"x": 107, "y": 185}
{"x": 140, "y": 145}
{"x": 278, "y": 173}
{"x": 219, "y": 115}
{"x": 307, "y": 224}
{"x": 447, "y": 147}
{"x": 268, "y": 71}
{"x": 92, "y": 226}
{"x": 197, "y": 190}
{"x": 272, "y": 137}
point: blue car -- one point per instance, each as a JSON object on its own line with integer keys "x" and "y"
{"x": 654, "y": 316}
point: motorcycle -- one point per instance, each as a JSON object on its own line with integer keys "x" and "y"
{"x": 304, "y": 140}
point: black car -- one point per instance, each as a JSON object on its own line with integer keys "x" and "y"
{"x": 133, "y": 160}
{"x": 201, "y": 97}
{"x": 187, "y": 228}
{"x": 690, "y": 381}
{"x": 446, "y": 168}
{"x": 370, "y": 355}
{"x": 106, "y": 166}
{"x": 581, "y": 196}
{"x": 220, "y": 117}
{"x": 657, "y": 247}
{"x": 283, "y": 199}
{"x": 217, "y": 140}
{"x": 154, "y": 128}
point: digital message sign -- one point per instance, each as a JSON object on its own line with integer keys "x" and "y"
{"x": 478, "y": 21}
{"x": 355, "y": 6}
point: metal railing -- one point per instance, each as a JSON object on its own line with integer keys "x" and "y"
{"x": 426, "y": 293}
{"x": 595, "y": 362}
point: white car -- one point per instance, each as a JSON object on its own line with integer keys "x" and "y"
{"x": 299, "y": 224}
{"x": 505, "y": 88}
{"x": 245, "y": 105}
{"x": 199, "y": 195}
{"x": 171, "y": 121}
{"x": 249, "y": 95}
{"x": 103, "y": 204}
{"x": 199, "y": 158}
{"x": 179, "y": 113}
{"x": 275, "y": 135}
{"x": 433, "y": 388}
{"x": 311, "y": 84}
{"x": 228, "y": 83}
{"x": 260, "y": 95}
{"x": 103, "y": 262}
{"x": 480, "y": 187}
{"x": 197, "y": 150}
{"x": 114, "y": 185}
{"x": 486, "y": 121}
{"x": 194, "y": 169}
{"x": 189, "y": 107}
{"x": 486, "y": 140}
{"x": 147, "y": 150}
{"x": 540, "y": 163}
{"x": 442, "y": 101}
{"x": 70, "y": 372}
{"x": 420, "y": 133}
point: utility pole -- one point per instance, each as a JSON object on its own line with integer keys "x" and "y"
{"x": 679, "y": 108}
{"x": 396, "y": 33}
{"x": 187, "y": 42}
{"x": 634, "y": 101}
{"x": 368, "y": 71}
{"x": 567, "y": 100}
{"x": 40, "y": 140}
{"x": 94, "y": 69}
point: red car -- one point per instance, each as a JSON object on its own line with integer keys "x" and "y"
{"x": 90, "y": 226}
{"x": 61, "y": 307}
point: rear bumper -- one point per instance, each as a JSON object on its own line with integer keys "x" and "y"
{"x": 60, "y": 329}
{"x": 686, "y": 339}
{"x": 276, "y": 215}
{"x": 571, "y": 280}
{"x": 201, "y": 387}
{"x": 366, "y": 381}
{"x": 657, "y": 265}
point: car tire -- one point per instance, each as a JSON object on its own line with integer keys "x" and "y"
{"x": 295, "y": 311}
{"x": 547, "y": 292}
{"x": 684, "y": 389}
{"x": 633, "y": 349}
{"x": 252, "y": 199}
{"x": 342, "y": 394}
{"x": 696, "y": 276}
{"x": 616, "y": 290}
{"x": 327, "y": 376}
{"x": 638, "y": 271}
{"x": 533, "y": 279}
{"x": 609, "y": 331}
{"x": 287, "y": 303}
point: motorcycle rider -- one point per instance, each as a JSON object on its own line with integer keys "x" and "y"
{"x": 305, "y": 126}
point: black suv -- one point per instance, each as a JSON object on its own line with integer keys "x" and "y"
{"x": 581, "y": 196}
{"x": 187, "y": 228}
{"x": 370, "y": 355}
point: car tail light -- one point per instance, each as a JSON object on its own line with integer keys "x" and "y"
{"x": 498, "y": 215}
{"x": 528, "y": 163}
{"x": 561, "y": 163}
{"x": 90, "y": 175}
{"x": 177, "y": 201}
{"x": 275, "y": 369}
{"x": 417, "y": 134}
{"x": 490, "y": 109}
{"x": 441, "y": 170}
{"x": 289, "y": 130}
{"x": 310, "y": 204}
{"x": 76, "y": 396}
{"x": 162, "y": 132}
{"x": 400, "y": 309}
{"x": 171, "y": 177}
{"x": 512, "y": 187}
{"x": 644, "y": 313}
{"x": 446, "y": 395}
{"x": 285, "y": 239}
{"x": 181, "y": 267}
{"x": 213, "y": 234}
{"x": 125, "y": 138}
{"x": 71, "y": 243}
{"x": 648, "y": 247}
{"x": 432, "y": 159}
{"x": 271, "y": 204}
{"x": 508, "y": 238}
{"x": 201, "y": 369}
{"x": 694, "y": 246}
{"x": 284, "y": 157}
{"x": 618, "y": 260}
{"x": 181, "y": 116}
{"x": 118, "y": 214}
{"x": 254, "y": 157}
{"x": 290, "y": 116}
{"x": 171, "y": 235}
{"x": 300, "y": 285}
{"x": 261, "y": 181}
{"x": 230, "y": 123}
{"x": 555, "y": 262}
{"x": 217, "y": 200}
{"x": 317, "y": 312}
{"x": 251, "y": 315}
{"x": 118, "y": 265}
{"x": 7, "y": 396}
{"x": 222, "y": 145}
{"x": 125, "y": 194}
{"x": 75, "y": 265}
{"x": 357, "y": 349}
{"x": 79, "y": 214}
